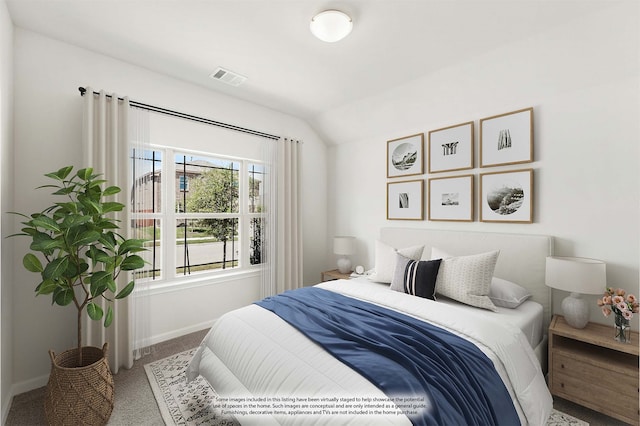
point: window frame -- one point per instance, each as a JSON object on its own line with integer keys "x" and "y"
{"x": 168, "y": 216}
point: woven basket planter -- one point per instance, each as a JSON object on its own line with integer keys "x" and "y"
{"x": 79, "y": 395}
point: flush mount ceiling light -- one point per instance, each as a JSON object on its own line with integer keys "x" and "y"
{"x": 331, "y": 25}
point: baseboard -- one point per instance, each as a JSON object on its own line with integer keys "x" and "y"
{"x": 6, "y": 407}
{"x": 29, "y": 385}
{"x": 180, "y": 332}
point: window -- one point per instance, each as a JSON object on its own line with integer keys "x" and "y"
{"x": 204, "y": 219}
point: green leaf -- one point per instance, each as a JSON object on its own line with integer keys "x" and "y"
{"x": 98, "y": 255}
{"x": 125, "y": 291}
{"x": 91, "y": 206}
{"x": 132, "y": 262}
{"x": 108, "y": 240}
{"x": 43, "y": 242}
{"x": 131, "y": 246}
{"x": 46, "y": 287}
{"x": 100, "y": 281}
{"x": 72, "y": 220}
{"x": 85, "y": 174}
{"x": 109, "y": 317}
{"x": 56, "y": 268}
{"x": 64, "y": 191}
{"x": 60, "y": 174}
{"x": 62, "y": 296}
{"x": 32, "y": 263}
{"x": 81, "y": 236}
{"x": 112, "y": 206}
{"x": 110, "y": 191}
{"x": 46, "y": 222}
{"x": 95, "y": 312}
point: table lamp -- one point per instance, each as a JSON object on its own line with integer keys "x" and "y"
{"x": 344, "y": 246}
{"x": 576, "y": 275}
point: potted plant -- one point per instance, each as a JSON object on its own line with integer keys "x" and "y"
{"x": 80, "y": 255}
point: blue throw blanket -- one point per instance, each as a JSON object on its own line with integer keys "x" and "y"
{"x": 402, "y": 356}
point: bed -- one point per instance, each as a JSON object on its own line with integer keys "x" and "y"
{"x": 270, "y": 370}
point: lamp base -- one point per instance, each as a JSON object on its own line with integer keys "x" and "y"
{"x": 575, "y": 310}
{"x": 344, "y": 265}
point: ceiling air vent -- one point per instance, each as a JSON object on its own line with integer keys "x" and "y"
{"x": 229, "y": 77}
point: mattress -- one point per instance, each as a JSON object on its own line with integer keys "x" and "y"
{"x": 253, "y": 353}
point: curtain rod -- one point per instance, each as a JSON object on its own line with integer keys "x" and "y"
{"x": 190, "y": 117}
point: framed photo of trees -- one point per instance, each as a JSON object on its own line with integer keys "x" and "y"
{"x": 404, "y": 156}
{"x": 507, "y": 196}
{"x": 507, "y": 138}
{"x": 405, "y": 200}
{"x": 451, "y": 148}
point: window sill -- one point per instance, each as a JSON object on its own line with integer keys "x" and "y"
{"x": 149, "y": 288}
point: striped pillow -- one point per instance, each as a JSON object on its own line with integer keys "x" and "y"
{"x": 416, "y": 277}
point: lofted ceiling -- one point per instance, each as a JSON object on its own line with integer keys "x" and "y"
{"x": 268, "y": 41}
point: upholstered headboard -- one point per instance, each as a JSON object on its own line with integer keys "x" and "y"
{"x": 522, "y": 257}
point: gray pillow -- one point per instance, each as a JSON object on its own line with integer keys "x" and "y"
{"x": 507, "y": 294}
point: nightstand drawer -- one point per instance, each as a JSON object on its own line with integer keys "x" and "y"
{"x": 620, "y": 383}
{"x": 595, "y": 387}
{"x": 598, "y": 398}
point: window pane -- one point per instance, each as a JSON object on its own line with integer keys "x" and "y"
{"x": 256, "y": 188}
{"x": 149, "y": 230}
{"x": 206, "y": 184}
{"x": 147, "y": 174}
{"x": 255, "y": 248}
{"x": 206, "y": 245}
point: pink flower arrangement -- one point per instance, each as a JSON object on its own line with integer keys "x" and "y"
{"x": 618, "y": 302}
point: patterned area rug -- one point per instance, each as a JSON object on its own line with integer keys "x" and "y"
{"x": 183, "y": 403}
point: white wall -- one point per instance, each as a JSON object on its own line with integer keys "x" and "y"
{"x": 47, "y": 136}
{"x": 583, "y": 81}
{"x": 6, "y": 203}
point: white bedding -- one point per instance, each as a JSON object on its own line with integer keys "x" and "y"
{"x": 527, "y": 317}
{"x": 252, "y": 352}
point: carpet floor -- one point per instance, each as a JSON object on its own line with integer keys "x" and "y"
{"x": 135, "y": 401}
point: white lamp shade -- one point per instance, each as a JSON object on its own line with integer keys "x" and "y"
{"x": 331, "y": 25}
{"x": 344, "y": 245}
{"x": 576, "y": 274}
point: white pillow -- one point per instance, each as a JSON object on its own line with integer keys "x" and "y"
{"x": 467, "y": 279}
{"x": 507, "y": 294}
{"x": 385, "y": 258}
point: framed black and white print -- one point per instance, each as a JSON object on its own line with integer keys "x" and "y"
{"x": 451, "y": 198}
{"x": 404, "y": 156}
{"x": 451, "y": 148}
{"x": 507, "y": 138}
{"x": 405, "y": 200}
{"x": 507, "y": 196}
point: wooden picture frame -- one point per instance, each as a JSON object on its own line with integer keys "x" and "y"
{"x": 451, "y": 199}
{"x": 405, "y": 200}
{"x": 507, "y": 138}
{"x": 405, "y": 156}
{"x": 451, "y": 148}
{"x": 507, "y": 196}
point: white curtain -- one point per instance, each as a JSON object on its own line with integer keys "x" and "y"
{"x": 282, "y": 231}
{"x": 106, "y": 135}
{"x": 139, "y": 148}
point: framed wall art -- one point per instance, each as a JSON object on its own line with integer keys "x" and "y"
{"x": 405, "y": 200}
{"x": 451, "y": 148}
{"x": 507, "y": 138}
{"x": 451, "y": 198}
{"x": 507, "y": 196}
{"x": 404, "y": 156}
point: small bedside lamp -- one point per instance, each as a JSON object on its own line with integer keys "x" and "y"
{"x": 344, "y": 246}
{"x": 579, "y": 276}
